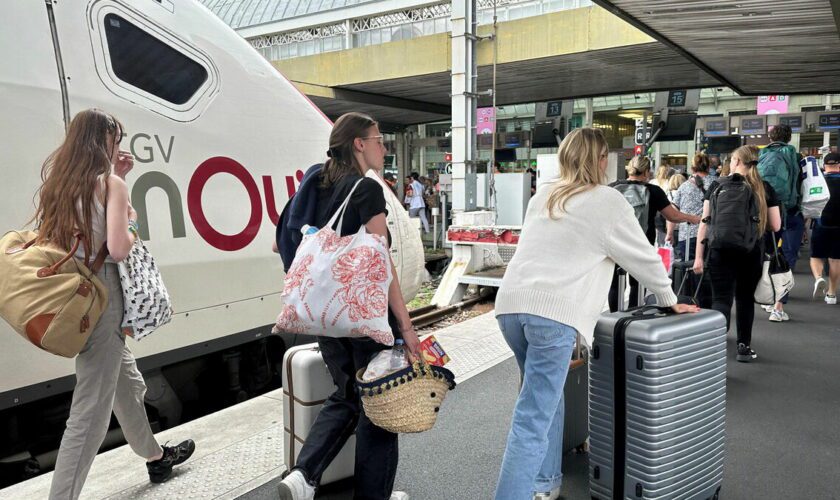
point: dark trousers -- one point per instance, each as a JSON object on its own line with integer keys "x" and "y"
{"x": 377, "y": 453}
{"x": 791, "y": 237}
{"x": 734, "y": 276}
{"x": 616, "y": 294}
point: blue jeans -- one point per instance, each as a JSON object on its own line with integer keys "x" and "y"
{"x": 534, "y": 451}
{"x": 791, "y": 237}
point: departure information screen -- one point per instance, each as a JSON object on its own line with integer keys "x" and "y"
{"x": 794, "y": 122}
{"x": 752, "y": 125}
{"x": 830, "y": 121}
{"x": 717, "y": 127}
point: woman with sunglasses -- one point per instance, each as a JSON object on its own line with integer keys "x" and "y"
{"x": 356, "y": 146}
{"x": 84, "y": 191}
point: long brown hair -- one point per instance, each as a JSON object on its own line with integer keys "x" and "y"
{"x": 748, "y": 155}
{"x": 69, "y": 178}
{"x": 580, "y": 167}
{"x": 342, "y": 161}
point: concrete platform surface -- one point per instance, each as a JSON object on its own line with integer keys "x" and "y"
{"x": 240, "y": 448}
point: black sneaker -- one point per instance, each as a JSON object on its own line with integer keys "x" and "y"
{"x": 160, "y": 470}
{"x": 745, "y": 354}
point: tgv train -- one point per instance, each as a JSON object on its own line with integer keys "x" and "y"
{"x": 221, "y": 140}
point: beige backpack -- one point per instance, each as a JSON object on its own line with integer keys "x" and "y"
{"x": 48, "y": 296}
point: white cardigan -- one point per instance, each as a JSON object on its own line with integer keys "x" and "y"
{"x": 562, "y": 268}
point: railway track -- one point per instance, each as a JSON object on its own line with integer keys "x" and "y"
{"x": 423, "y": 317}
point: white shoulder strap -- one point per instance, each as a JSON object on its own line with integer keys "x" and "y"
{"x": 339, "y": 214}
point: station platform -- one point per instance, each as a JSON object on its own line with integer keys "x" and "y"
{"x": 782, "y": 437}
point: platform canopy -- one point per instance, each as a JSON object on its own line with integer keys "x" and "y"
{"x": 756, "y": 47}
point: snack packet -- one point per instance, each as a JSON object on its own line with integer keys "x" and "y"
{"x": 432, "y": 351}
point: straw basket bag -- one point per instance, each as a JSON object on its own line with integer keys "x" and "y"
{"x": 407, "y": 400}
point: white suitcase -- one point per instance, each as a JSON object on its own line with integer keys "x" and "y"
{"x": 307, "y": 383}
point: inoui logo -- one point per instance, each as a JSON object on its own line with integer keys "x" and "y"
{"x": 205, "y": 171}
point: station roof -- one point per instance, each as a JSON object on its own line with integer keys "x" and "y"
{"x": 756, "y": 47}
{"x": 245, "y": 13}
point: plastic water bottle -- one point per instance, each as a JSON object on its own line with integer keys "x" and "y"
{"x": 398, "y": 359}
{"x": 307, "y": 230}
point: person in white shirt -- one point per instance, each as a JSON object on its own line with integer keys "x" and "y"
{"x": 414, "y": 198}
{"x": 544, "y": 303}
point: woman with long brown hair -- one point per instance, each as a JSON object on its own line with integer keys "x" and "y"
{"x": 356, "y": 146}
{"x": 733, "y": 272}
{"x": 84, "y": 192}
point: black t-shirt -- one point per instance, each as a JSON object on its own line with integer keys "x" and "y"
{"x": 368, "y": 201}
{"x": 658, "y": 202}
{"x": 831, "y": 212}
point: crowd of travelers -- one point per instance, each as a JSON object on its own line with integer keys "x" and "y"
{"x": 723, "y": 219}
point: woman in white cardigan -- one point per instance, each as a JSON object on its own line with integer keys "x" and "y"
{"x": 576, "y": 229}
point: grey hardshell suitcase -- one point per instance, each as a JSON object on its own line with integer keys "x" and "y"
{"x": 657, "y": 405}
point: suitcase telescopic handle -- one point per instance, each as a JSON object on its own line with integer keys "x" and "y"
{"x": 641, "y": 311}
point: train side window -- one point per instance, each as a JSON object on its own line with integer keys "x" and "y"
{"x": 149, "y": 64}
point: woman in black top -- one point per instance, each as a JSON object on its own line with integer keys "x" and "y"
{"x": 735, "y": 274}
{"x": 356, "y": 146}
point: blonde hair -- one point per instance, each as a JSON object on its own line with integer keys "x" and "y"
{"x": 579, "y": 157}
{"x": 663, "y": 173}
{"x": 725, "y": 169}
{"x": 675, "y": 182}
{"x": 748, "y": 155}
{"x": 638, "y": 165}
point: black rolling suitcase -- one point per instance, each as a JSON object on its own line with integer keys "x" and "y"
{"x": 657, "y": 405}
{"x": 576, "y": 399}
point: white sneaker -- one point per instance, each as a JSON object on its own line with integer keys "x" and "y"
{"x": 768, "y": 309}
{"x": 295, "y": 487}
{"x": 831, "y": 299}
{"x": 819, "y": 287}
{"x": 779, "y": 316}
{"x": 552, "y": 495}
{"x": 399, "y": 495}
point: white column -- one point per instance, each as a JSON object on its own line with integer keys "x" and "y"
{"x": 348, "y": 34}
{"x": 590, "y": 113}
{"x": 463, "y": 105}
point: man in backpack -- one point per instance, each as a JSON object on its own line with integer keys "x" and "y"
{"x": 647, "y": 200}
{"x": 778, "y": 165}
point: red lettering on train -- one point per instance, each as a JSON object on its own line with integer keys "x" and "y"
{"x": 203, "y": 173}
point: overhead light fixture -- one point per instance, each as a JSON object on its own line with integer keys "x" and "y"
{"x": 632, "y": 115}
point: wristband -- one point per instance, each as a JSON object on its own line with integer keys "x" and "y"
{"x": 133, "y": 227}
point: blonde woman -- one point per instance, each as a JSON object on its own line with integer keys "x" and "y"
{"x": 663, "y": 175}
{"x": 647, "y": 201}
{"x": 734, "y": 273}
{"x": 543, "y": 304}
{"x": 674, "y": 183}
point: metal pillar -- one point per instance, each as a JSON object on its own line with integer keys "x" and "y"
{"x": 590, "y": 113}
{"x": 464, "y": 97}
{"x": 827, "y": 135}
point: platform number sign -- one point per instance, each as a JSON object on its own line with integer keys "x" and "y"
{"x": 554, "y": 108}
{"x": 676, "y": 98}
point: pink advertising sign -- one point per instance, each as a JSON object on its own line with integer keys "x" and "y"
{"x": 485, "y": 120}
{"x": 772, "y": 104}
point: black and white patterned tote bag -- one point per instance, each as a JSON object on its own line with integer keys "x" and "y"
{"x": 147, "y": 306}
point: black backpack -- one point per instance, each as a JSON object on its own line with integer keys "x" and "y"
{"x": 734, "y": 215}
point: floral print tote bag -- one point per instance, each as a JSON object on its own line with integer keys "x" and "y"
{"x": 337, "y": 285}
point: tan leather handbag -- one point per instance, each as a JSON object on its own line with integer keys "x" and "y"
{"x": 48, "y": 296}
